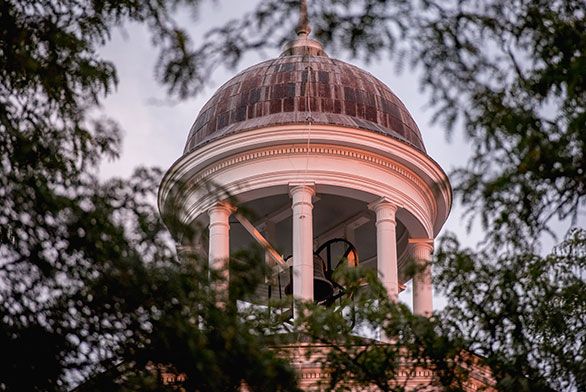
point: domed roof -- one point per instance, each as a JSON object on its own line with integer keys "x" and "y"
{"x": 303, "y": 82}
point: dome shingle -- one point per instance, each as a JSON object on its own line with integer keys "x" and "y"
{"x": 288, "y": 89}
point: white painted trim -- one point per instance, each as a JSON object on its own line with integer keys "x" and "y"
{"x": 270, "y": 158}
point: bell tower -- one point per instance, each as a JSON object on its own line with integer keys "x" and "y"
{"x": 329, "y": 161}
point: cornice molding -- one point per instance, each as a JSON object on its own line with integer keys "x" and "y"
{"x": 319, "y": 175}
{"x": 322, "y": 150}
{"x": 188, "y": 176}
{"x": 321, "y": 134}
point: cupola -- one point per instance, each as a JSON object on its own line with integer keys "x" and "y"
{"x": 331, "y": 164}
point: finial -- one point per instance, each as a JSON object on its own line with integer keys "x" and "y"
{"x": 303, "y": 28}
{"x": 302, "y": 45}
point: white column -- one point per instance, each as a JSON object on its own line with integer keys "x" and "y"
{"x": 302, "y": 242}
{"x": 421, "y": 251}
{"x": 219, "y": 233}
{"x": 386, "y": 246}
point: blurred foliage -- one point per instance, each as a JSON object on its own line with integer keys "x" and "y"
{"x": 89, "y": 279}
{"x": 92, "y": 292}
{"x": 522, "y": 318}
{"x": 524, "y": 314}
{"x": 405, "y": 342}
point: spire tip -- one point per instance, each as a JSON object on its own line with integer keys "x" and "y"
{"x": 303, "y": 28}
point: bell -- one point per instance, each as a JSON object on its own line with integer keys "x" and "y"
{"x": 322, "y": 287}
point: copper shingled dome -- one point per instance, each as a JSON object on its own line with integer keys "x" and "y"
{"x": 288, "y": 89}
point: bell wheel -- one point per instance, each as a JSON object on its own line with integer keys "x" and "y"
{"x": 336, "y": 253}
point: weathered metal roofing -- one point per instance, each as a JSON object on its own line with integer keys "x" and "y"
{"x": 289, "y": 89}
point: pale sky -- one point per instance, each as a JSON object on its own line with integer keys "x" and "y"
{"x": 155, "y": 132}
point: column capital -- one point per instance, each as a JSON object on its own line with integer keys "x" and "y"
{"x": 384, "y": 203}
{"x": 385, "y": 210}
{"x": 222, "y": 207}
{"x": 304, "y": 187}
{"x": 422, "y": 243}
